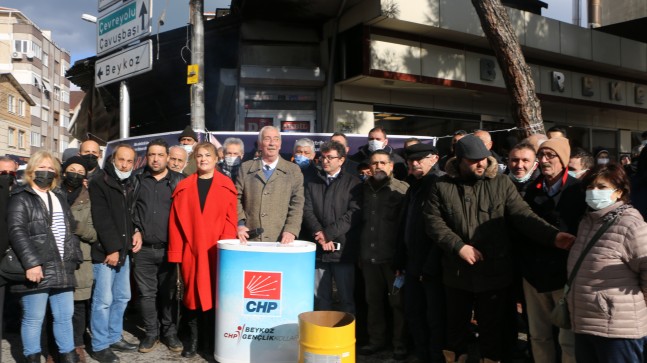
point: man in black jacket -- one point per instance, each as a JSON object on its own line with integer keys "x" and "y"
{"x": 332, "y": 202}
{"x": 418, "y": 258}
{"x": 155, "y": 277}
{"x": 469, "y": 214}
{"x": 111, "y": 199}
{"x": 377, "y": 140}
{"x": 8, "y": 169}
{"x": 559, "y": 199}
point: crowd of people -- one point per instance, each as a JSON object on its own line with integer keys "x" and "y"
{"x": 423, "y": 248}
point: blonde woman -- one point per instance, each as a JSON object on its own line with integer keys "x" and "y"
{"x": 41, "y": 235}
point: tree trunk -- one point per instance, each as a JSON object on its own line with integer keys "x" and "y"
{"x": 526, "y": 109}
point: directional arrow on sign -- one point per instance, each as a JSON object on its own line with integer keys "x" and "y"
{"x": 125, "y": 64}
{"x": 142, "y": 14}
{"x": 120, "y": 26}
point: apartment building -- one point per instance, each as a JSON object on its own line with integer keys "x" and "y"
{"x": 38, "y": 64}
{"x": 15, "y": 118}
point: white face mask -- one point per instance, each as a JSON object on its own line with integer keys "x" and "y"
{"x": 603, "y": 161}
{"x": 599, "y": 198}
{"x": 375, "y": 145}
{"x": 188, "y": 148}
{"x": 232, "y": 160}
{"x": 524, "y": 178}
{"x": 122, "y": 174}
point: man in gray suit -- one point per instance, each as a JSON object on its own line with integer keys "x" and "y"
{"x": 270, "y": 193}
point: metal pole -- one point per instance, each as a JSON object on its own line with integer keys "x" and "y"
{"x": 577, "y": 13}
{"x": 197, "y": 57}
{"x": 124, "y": 110}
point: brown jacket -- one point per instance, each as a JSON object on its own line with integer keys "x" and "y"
{"x": 608, "y": 296}
{"x": 276, "y": 205}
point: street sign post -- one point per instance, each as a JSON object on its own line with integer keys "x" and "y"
{"x": 104, "y": 4}
{"x": 124, "y": 25}
{"x": 127, "y": 63}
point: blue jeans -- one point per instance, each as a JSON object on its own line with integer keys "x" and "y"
{"x": 34, "y": 305}
{"x": 109, "y": 299}
{"x": 594, "y": 349}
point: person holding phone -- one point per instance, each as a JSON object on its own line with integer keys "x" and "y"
{"x": 332, "y": 201}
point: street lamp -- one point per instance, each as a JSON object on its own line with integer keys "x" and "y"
{"x": 89, "y": 18}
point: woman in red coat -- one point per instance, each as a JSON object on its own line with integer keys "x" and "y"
{"x": 203, "y": 212}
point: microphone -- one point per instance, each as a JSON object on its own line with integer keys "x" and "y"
{"x": 253, "y": 233}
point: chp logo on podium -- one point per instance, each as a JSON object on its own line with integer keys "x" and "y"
{"x": 262, "y": 293}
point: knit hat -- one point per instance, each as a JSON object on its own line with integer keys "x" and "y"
{"x": 420, "y": 151}
{"x": 560, "y": 146}
{"x": 188, "y": 132}
{"x": 76, "y": 160}
{"x": 472, "y": 148}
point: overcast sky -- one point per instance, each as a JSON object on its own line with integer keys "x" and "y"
{"x": 63, "y": 18}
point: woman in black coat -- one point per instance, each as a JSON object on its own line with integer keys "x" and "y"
{"x": 41, "y": 235}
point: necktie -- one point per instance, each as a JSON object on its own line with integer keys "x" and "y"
{"x": 267, "y": 171}
{"x": 330, "y": 179}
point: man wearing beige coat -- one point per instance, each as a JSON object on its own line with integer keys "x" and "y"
{"x": 270, "y": 193}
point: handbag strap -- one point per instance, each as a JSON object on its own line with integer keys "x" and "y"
{"x": 51, "y": 208}
{"x": 586, "y": 250}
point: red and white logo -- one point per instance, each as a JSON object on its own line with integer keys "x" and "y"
{"x": 262, "y": 285}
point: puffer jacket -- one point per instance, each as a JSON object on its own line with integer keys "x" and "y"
{"x": 31, "y": 238}
{"x": 483, "y": 214}
{"x": 609, "y": 295}
{"x": 81, "y": 210}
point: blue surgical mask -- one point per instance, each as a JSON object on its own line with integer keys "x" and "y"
{"x": 576, "y": 174}
{"x": 302, "y": 161}
{"x": 599, "y": 198}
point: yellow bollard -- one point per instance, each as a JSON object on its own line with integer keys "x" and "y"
{"x": 326, "y": 336}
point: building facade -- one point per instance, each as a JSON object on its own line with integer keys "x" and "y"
{"x": 424, "y": 67}
{"x": 39, "y": 65}
{"x": 15, "y": 118}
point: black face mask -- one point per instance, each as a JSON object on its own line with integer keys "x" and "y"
{"x": 73, "y": 180}
{"x": 44, "y": 178}
{"x": 7, "y": 180}
{"x": 91, "y": 160}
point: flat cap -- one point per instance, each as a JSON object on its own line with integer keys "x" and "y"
{"x": 420, "y": 151}
{"x": 472, "y": 148}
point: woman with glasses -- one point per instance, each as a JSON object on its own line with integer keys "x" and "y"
{"x": 607, "y": 298}
{"x": 42, "y": 236}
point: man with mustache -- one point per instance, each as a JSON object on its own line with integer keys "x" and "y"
{"x": 382, "y": 203}
{"x": 558, "y": 198}
{"x": 469, "y": 213}
{"x": 270, "y": 193}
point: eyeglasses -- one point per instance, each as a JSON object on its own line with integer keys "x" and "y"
{"x": 329, "y": 158}
{"x": 549, "y": 156}
{"x": 8, "y": 172}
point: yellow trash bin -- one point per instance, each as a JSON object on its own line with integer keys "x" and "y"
{"x": 326, "y": 336}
